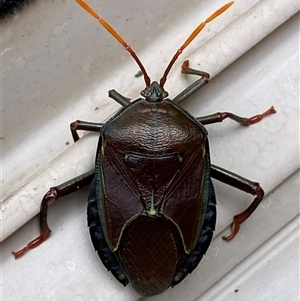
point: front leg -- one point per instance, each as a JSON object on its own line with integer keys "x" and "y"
{"x": 194, "y": 87}
{"x": 243, "y": 184}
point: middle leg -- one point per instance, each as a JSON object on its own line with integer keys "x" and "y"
{"x": 220, "y": 116}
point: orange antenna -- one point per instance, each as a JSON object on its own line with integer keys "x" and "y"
{"x": 117, "y": 36}
{"x": 133, "y": 54}
{"x": 191, "y": 38}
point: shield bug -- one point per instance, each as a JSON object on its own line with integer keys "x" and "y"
{"x": 152, "y": 205}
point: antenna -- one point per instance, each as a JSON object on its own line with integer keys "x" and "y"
{"x": 133, "y": 54}
{"x": 191, "y": 38}
{"x": 118, "y": 37}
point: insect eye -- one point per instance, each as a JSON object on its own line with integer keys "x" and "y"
{"x": 145, "y": 93}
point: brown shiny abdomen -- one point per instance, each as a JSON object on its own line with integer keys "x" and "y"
{"x": 151, "y": 251}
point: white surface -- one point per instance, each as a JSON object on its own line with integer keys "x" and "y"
{"x": 66, "y": 267}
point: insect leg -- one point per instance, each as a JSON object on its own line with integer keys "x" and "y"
{"x": 194, "y": 87}
{"x": 85, "y": 126}
{"x": 122, "y": 100}
{"x": 243, "y": 184}
{"x": 220, "y": 116}
{"x": 55, "y": 193}
{"x": 96, "y": 127}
